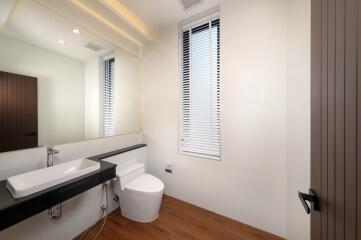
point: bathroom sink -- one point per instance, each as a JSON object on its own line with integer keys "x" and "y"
{"x": 31, "y": 182}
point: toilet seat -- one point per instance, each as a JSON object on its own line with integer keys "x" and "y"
{"x": 145, "y": 183}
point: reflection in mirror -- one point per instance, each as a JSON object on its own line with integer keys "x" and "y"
{"x": 61, "y": 82}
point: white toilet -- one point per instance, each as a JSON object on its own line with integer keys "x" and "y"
{"x": 140, "y": 194}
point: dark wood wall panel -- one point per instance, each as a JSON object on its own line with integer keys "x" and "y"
{"x": 324, "y": 120}
{"x": 330, "y": 103}
{"x": 336, "y": 119}
{"x": 350, "y": 118}
{"x": 316, "y": 110}
{"x": 18, "y": 112}
{"x": 358, "y": 161}
{"x": 339, "y": 121}
{"x": 34, "y": 114}
{"x": 3, "y": 89}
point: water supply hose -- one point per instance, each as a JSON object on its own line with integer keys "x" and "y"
{"x": 105, "y": 211}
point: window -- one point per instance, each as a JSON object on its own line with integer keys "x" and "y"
{"x": 108, "y": 97}
{"x": 200, "y": 79}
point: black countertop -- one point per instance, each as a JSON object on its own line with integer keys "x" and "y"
{"x": 15, "y": 210}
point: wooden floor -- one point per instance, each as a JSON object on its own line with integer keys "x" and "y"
{"x": 178, "y": 220}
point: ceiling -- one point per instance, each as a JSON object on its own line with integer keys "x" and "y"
{"x": 127, "y": 24}
{"x": 159, "y": 13}
{"x": 5, "y": 9}
{"x": 35, "y": 24}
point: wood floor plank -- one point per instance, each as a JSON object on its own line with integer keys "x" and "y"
{"x": 177, "y": 220}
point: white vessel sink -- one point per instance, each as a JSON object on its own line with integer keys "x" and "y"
{"x": 31, "y": 182}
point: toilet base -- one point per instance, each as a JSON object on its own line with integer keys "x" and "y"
{"x": 141, "y": 220}
{"x": 140, "y": 206}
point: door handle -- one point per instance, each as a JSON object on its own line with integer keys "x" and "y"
{"x": 310, "y": 197}
{"x": 31, "y": 134}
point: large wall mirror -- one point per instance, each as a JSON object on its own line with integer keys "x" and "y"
{"x": 62, "y": 82}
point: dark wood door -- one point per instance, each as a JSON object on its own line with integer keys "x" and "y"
{"x": 336, "y": 119}
{"x": 18, "y": 112}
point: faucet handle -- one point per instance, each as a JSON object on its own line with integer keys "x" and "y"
{"x": 51, "y": 150}
{"x": 55, "y": 151}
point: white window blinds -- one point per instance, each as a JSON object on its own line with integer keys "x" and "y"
{"x": 200, "y": 106}
{"x": 108, "y": 98}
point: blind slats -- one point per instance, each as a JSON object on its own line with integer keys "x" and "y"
{"x": 108, "y": 98}
{"x": 200, "y": 110}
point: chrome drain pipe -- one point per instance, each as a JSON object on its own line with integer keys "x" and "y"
{"x": 116, "y": 198}
{"x": 56, "y": 212}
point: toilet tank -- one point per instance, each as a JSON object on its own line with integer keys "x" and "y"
{"x": 129, "y": 173}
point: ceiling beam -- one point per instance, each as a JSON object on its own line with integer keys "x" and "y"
{"x": 105, "y": 21}
{"x": 121, "y": 44}
{"x": 7, "y": 9}
{"x": 128, "y": 16}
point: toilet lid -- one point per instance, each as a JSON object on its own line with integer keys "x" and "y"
{"x": 145, "y": 183}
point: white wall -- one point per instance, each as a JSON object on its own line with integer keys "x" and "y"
{"x": 60, "y": 118}
{"x": 92, "y": 98}
{"x": 249, "y": 183}
{"x": 298, "y": 115}
{"x": 18, "y": 162}
{"x": 127, "y": 92}
{"x": 79, "y": 212}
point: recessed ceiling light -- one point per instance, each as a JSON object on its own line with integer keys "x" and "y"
{"x": 61, "y": 41}
{"x": 76, "y": 31}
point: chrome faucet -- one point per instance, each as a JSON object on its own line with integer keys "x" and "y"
{"x": 50, "y": 156}
{"x": 56, "y": 212}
